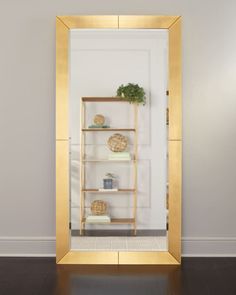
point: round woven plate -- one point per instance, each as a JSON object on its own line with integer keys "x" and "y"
{"x": 99, "y": 119}
{"x": 98, "y": 207}
{"x": 117, "y": 142}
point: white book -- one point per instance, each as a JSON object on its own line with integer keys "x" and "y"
{"x": 98, "y": 219}
{"x": 108, "y": 189}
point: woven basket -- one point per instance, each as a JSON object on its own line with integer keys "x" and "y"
{"x": 117, "y": 142}
{"x": 99, "y": 120}
{"x": 98, "y": 207}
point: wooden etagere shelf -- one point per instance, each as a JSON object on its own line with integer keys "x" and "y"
{"x": 108, "y": 129}
{"x": 97, "y": 191}
{"x": 114, "y": 221}
{"x": 107, "y": 160}
{"x": 83, "y": 190}
{"x": 102, "y": 99}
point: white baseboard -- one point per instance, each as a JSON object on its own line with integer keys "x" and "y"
{"x": 27, "y": 246}
{"x": 45, "y": 246}
{"x": 208, "y": 247}
{"x": 27, "y": 255}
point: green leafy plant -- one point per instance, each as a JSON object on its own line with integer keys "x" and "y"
{"x": 133, "y": 93}
{"x": 110, "y": 175}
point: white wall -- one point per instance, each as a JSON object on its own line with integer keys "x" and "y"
{"x": 27, "y": 75}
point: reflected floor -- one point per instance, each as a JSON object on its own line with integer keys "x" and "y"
{"x": 85, "y": 243}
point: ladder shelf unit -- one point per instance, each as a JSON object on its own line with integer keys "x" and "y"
{"x": 83, "y": 161}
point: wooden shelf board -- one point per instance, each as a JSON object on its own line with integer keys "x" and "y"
{"x": 107, "y": 129}
{"x": 107, "y": 160}
{"x": 114, "y": 221}
{"x": 93, "y": 190}
{"x": 103, "y": 99}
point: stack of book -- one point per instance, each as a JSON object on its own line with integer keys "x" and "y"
{"x": 120, "y": 156}
{"x": 98, "y": 219}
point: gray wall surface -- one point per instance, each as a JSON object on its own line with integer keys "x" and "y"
{"x": 27, "y": 120}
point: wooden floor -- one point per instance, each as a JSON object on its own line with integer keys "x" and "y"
{"x": 200, "y": 276}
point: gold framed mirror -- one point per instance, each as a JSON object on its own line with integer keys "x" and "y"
{"x": 64, "y": 254}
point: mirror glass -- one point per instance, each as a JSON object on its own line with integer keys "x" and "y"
{"x": 118, "y": 150}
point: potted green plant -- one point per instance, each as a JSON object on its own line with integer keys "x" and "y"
{"x": 132, "y": 93}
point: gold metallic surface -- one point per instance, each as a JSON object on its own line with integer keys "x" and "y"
{"x": 175, "y": 136}
{"x": 64, "y": 24}
{"x": 62, "y": 99}
{"x": 175, "y": 82}
{"x": 90, "y": 21}
{"x": 62, "y": 200}
{"x": 76, "y": 257}
{"x": 160, "y": 258}
{"x": 146, "y": 21}
{"x": 175, "y": 187}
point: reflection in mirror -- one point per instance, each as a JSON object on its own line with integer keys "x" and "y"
{"x": 118, "y": 150}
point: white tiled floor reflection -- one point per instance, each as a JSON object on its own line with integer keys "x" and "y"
{"x": 119, "y": 243}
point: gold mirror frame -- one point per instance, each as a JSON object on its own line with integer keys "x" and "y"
{"x": 63, "y": 253}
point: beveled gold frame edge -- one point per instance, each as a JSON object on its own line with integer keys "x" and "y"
{"x": 164, "y": 258}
